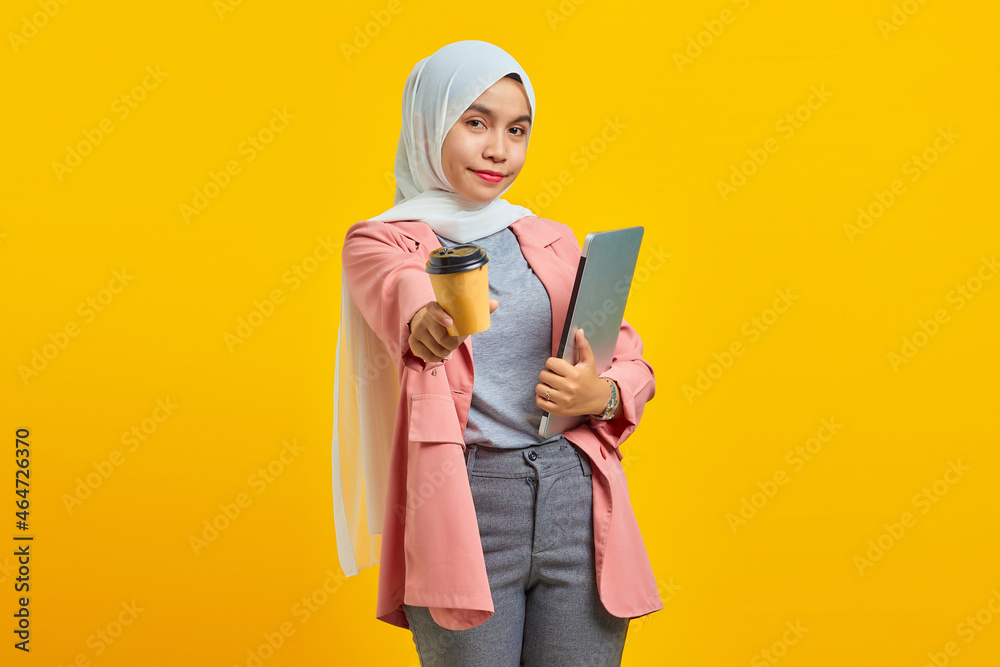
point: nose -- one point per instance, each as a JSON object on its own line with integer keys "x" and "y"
{"x": 496, "y": 147}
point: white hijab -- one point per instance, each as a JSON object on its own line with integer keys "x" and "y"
{"x": 438, "y": 91}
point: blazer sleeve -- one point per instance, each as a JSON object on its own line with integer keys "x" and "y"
{"x": 636, "y": 387}
{"x": 630, "y": 371}
{"x": 388, "y": 284}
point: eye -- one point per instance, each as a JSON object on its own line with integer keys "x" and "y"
{"x": 474, "y": 120}
{"x": 519, "y": 128}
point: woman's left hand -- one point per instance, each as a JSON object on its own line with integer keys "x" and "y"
{"x": 573, "y": 390}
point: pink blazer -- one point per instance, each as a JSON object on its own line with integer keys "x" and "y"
{"x": 431, "y": 554}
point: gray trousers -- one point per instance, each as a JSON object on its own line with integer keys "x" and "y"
{"x": 534, "y": 508}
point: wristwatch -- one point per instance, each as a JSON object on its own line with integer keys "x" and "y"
{"x": 609, "y": 411}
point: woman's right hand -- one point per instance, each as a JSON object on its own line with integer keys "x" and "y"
{"x": 429, "y": 338}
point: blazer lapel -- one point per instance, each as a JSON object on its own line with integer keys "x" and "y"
{"x": 536, "y": 239}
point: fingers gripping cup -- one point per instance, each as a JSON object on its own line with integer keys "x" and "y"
{"x": 459, "y": 278}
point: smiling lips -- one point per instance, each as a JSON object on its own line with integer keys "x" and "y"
{"x": 489, "y": 176}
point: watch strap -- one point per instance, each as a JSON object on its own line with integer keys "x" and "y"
{"x": 612, "y": 406}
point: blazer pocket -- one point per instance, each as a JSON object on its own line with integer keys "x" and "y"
{"x": 433, "y": 418}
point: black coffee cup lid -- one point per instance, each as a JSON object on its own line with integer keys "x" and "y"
{"x": 456, "y": 258}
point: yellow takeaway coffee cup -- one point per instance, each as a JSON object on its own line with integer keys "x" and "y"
{"x": 459, "y": 278}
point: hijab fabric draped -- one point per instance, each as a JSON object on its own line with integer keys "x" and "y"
{"x": 437, "y": 92}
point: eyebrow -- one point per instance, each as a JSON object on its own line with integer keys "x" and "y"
{"x": 489, "y": 113}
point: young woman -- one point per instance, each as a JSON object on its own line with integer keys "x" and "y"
{"x": 498, "y": 547}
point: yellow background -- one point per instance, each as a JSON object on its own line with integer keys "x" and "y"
{"x": 728, "y": 595}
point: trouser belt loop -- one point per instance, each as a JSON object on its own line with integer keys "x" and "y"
{"x": 470, "y": 457}
{"x": 584, "y": 461}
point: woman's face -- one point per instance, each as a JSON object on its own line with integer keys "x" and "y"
{"x": 491, "y": 136}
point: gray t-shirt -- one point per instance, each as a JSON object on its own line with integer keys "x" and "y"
{"x": 510, "y": 354}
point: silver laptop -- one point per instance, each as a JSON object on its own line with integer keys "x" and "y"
{"x": 597, "y": 305}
